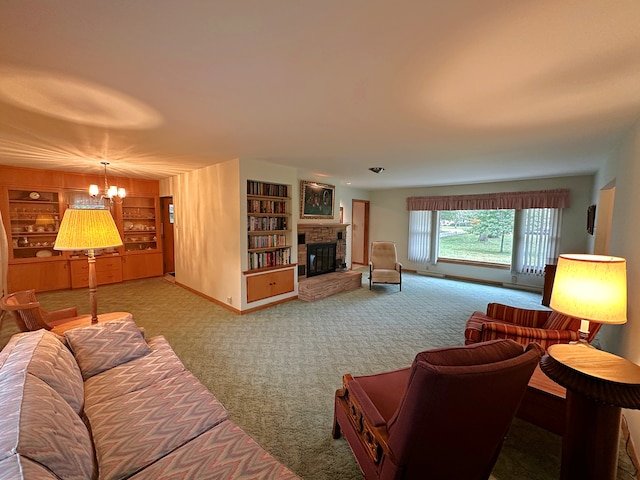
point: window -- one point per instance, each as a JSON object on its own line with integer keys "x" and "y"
{"x": 419, "y": 235}
{"x": 525, "y": 239}
{"x": 538, "y": 239}
{"x": 482, "y": 236}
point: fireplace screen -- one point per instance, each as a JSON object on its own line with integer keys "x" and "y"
{"x": 321, "y": 258}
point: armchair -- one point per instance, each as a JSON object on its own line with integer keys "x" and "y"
{"x": 27, "y": 313}
{"x": 545, "y": 327}
{"x": 384, "y": 266}
{"x": 414, "y": 422}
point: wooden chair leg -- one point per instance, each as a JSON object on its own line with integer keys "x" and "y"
{"x": 335, "y": 431}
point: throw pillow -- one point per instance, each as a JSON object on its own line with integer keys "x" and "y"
{"x": 106, "y": 345}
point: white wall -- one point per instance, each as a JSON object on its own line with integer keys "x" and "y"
{"x": 207, "y": 230}
{"x": 624, "y": 170}
{"x": 390, "y": 220}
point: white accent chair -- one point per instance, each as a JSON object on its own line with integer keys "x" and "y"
{"x": 384, "y": 266}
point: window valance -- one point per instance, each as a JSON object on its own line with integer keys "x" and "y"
{"x": 493, "y": 201}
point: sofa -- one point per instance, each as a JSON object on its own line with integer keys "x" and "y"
{"x": 104, "y": 403}
{"x": 544, "y": 327}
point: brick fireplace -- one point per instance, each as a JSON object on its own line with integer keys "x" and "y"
{"x": 321, "y": 233}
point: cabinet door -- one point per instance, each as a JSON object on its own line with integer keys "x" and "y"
{"x": 269, "y": 284}
{"x": 142, "y": 266}
{"x": 43, "y": 276}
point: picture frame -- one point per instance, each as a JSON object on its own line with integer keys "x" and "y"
{"x": 317, "y": 200}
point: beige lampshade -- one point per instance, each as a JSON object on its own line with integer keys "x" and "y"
{"x": 83, "y": 229}
{"x": 591, "y": 287}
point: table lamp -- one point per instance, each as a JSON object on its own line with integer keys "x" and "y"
{"x": 591, "y": 288}
{"x": 88, "y": 229}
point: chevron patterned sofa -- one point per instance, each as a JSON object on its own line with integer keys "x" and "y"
{"x": 103, "y": 403}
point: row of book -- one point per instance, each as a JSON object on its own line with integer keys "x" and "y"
{"x": 267, "y": 189}
{"x": 265, "y": 241}
{"x": 266, "y": 206}
{"x": 269, "y": 259}
{"x": 258, "y": 224}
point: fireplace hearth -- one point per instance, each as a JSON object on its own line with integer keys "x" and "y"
{"x": 321, "y": 258}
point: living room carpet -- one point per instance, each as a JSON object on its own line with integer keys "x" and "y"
{"x": 276, "y": 370}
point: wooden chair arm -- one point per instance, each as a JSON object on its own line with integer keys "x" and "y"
{"x": 366, "y": 420}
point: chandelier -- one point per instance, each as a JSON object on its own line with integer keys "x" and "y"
{"x": 112, "y": 192}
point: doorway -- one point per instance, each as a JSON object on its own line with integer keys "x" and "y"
{"x": 360, "y": 232}
{"x": 166, "y": 230}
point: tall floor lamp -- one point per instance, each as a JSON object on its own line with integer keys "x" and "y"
{"x": 88, "y": 229}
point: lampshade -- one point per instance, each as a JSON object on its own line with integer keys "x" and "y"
{"x": 83, "y": 229}
{"x": 591, "y": 287}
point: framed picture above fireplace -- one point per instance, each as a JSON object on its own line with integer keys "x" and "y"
{"x": 316, "y": 200}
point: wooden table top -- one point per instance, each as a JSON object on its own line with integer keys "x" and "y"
{"x": 596, "y": 363}
{"x": 598, "y": 375}
{"x": 85, "y": 321}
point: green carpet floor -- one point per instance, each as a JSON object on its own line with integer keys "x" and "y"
{"x": 276, "y": 370}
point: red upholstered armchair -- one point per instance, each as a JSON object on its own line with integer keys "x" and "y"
{"x": 413, "y": 423}
{"x": 544, "y": 327}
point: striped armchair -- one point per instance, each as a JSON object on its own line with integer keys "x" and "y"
{"x": 544, "y": 327}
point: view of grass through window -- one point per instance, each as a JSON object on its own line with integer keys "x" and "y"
{"x": 476, "y": 235}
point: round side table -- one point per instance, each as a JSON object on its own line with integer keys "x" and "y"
{"x": 599, "y": 385}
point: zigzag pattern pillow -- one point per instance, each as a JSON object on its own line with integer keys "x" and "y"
{"x": 106, "y": 345}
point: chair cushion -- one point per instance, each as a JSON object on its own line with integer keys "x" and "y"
{"x": 136, "y": 429}
{"x": 105, "y": 345}
{"x": 383, "y": 255}
{"x": 58, "y": 440}
{"x": 383, "y": 275}
{"x": 225, "y": 451}
{"x": 137, "y": 374}
{"x": 17, "y": 467}
{"x": 42, "y": 354}
{"x": 385, "y": 390}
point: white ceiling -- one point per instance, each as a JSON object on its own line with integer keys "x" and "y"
{"x": 437, "y": 92}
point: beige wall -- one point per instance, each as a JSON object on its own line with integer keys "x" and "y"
{"x": 390, "y": 221}
{"x": 206, "y": 230}
{"x": 623, "y": 169}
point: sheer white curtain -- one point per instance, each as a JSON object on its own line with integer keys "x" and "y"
{"x": 419, "y": 235}
{"x": 538, "y": 235}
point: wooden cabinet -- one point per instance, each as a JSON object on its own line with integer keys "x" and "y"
{"x": 139, "y": 223}
{"x": 108, "y": 270}
{"x": 34, "y": 218}
{"x": 141, "y": 265}
{"x": 269, "y": 284}
{"x": 33, "y": 202}
{"x": 42, "y": 276}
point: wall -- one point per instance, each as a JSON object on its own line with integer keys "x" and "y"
{"x": 390, "y": 221}
{"x": 624, "y": 169}
{"x": 207, "y": 230}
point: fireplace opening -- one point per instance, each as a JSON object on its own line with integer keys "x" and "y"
{"x": 321, "y": 258}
